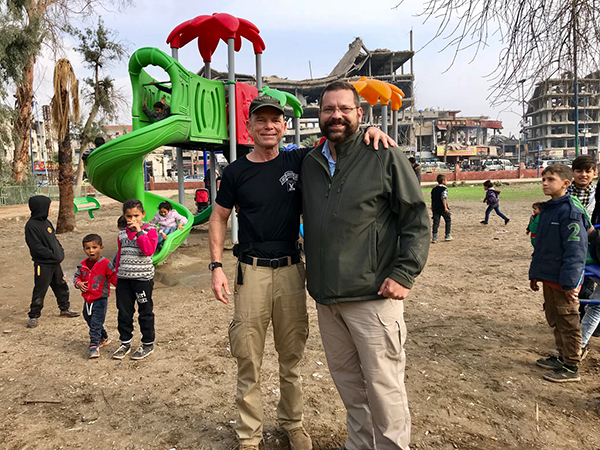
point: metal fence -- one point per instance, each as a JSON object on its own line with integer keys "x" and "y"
{"x": 17, "y": 195}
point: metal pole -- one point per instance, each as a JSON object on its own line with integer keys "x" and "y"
{"x": 259, "y": 83}
{"x": 213, "y": 159}
{"x": 296, "y": 122}
{"x": 232, "y": 133}
{"x": 384, "y": 124}
{"x": 179, "y": 153}
{"x": 395, "y": 125}
{"x": 523, "y": 118}
{"x": 207, "y": 73}
{"x": 575, "y": 80}
{"x": 420, "y": 136}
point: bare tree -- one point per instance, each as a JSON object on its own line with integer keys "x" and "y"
{"x": 65, "y": 105}
{"x": 540, "y": 38}
{"x": 34, "y": 22}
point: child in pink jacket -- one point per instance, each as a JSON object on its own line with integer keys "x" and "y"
{"x": 168, "y": 220}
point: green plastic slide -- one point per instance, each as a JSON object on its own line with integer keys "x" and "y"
{"x": 197, "y": 115}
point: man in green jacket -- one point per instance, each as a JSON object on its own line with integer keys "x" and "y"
{"x": 366, "y": 239}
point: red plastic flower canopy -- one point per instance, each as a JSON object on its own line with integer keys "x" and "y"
{"x": 375, "y": 90}
{"x": 210, "y": 29}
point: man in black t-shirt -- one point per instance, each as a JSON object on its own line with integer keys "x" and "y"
{"x": 270, "y": 276}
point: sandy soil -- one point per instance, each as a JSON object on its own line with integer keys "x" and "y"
{"x": 475, "y": 331}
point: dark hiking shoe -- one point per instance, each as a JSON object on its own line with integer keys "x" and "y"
{"x": 483, "y": 222}
{"x": 506, "y": 221}
{"x": 552, "y": 363}
{"x": 104, "y": 342}
{"x": 563, "y": 375}
{"x": 94, "y": 352}
{"x": 123, "y": 350}
{"x": 585, "y": 351}
{"x": 32, "y": 323}
{"x": 69, "y": 313}
{"x": 143, "y": 351}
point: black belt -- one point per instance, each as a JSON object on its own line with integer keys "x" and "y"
{"x": 274, "y": 263}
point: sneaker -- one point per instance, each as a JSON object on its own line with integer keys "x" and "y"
{"x": 104, "y": 342}
{"x": 434, "y": 241}
{"x": 123, "y": 350}
{"x": 483, "y": 222}
{"x": 248, "y": 447}
{"x": 143, "y": 351}
{"x": 563, "y": 375}
{"x": 506, "y": 221}
{"x": 584, "y": 352}
{"x": 299, "y": 439}
{"x": 552, "y": 363}
{"x": 32, "y": 323}
{"x": 69, "y": 313}
{"x": 94, "y": 352}
{"x": 449, "y": 238}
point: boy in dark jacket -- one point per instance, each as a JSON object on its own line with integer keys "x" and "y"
{"x": 439, "y": 209}
{"x": 47, "y": 254}
{"x": 93, "y": 278}
{"x": 493, "y": 202}
{"x": 558, "y": 260}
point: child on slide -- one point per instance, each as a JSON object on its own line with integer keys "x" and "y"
{"x": 168, "y": 220}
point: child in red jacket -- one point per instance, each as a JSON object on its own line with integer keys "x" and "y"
{"x": 93, "y": 278}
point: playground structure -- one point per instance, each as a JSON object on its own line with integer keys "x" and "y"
{"x": 374, "y": 91}
{"x": 200, "y": 114}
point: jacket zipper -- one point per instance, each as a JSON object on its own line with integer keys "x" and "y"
{"x": 327, "y": 196}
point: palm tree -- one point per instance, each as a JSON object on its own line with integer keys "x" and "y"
{"x": 65, "y": 106}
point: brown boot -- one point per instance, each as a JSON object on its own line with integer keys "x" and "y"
{"x": 299, "y": 439}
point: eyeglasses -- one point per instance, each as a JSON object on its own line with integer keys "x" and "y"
{"x": 330, "y": 110}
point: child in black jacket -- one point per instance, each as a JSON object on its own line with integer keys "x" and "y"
{"x": 47, "y": 254}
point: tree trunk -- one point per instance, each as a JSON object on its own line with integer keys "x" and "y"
{"x": 66, "y": 213}
{"x": 24, "y": 96}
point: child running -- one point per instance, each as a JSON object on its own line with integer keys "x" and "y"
{"x": 47, "y": 254}
{"x": 93, "y": 278}
{"x": 135, "y": 273}
{"x": 168, "y": 220}
{"x": 439, "y": 209}
{"x": 493, "y": 202}
{"x": 532, "y": 226}
{"x": 558, "y": 260}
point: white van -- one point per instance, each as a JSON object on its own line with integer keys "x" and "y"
{"x": 549, "y": 162}
{"x": 497, "y": 164}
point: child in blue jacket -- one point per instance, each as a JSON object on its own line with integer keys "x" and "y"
{"x": 558, "y": 261}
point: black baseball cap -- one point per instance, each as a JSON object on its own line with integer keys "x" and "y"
{"x": 263, "y": 101}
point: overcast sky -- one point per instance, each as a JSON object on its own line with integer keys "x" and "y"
{"x": 317, "y": 31}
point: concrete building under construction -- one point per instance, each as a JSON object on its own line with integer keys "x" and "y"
{"x": 550, "y": 117}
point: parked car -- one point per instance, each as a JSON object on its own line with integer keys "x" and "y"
{"x": 196, "y": 177}
{"x": 549, "y": 162}
{"x": 498, "y": 164}
{"x": 434, "y": 167}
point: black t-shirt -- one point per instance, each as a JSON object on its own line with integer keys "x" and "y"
{"x": 268, "y": 197}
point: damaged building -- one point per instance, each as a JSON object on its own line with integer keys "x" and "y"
{"x": 550, "y": 117}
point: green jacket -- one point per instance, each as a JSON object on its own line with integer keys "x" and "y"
{"x": 365, "y": 224}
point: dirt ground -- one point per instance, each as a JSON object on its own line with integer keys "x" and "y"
{"x": 475, "y": 331}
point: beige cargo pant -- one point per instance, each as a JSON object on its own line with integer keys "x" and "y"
{"x": 277, "y": 296}
{"x": 364, "y": 345}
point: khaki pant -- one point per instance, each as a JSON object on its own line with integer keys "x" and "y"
{"x": 278, "y": 296}
{"x": 364, "y": 345}
{"x": 563, "y": 316}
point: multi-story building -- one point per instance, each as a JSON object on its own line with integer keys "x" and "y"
{"x": 550, "y": 117}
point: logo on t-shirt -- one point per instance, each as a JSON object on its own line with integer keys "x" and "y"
{"x": 289, "y": 179}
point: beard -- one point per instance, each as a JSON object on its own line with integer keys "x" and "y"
{"x": 338, "y": 136}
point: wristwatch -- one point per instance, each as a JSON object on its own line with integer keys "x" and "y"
{"x": 213, "y": 265}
